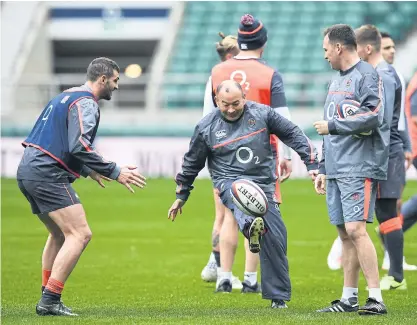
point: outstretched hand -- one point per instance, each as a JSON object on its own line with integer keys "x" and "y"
{"x": 175, "y": 208}
{"x": 129, "y": 175}
{"x": 99, "y": 178}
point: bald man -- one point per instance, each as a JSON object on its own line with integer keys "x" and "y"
{"x": 235, "y": 141}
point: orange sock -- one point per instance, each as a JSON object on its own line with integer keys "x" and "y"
{"x": 54, "y": 286}
{"x": 45, "y": 277}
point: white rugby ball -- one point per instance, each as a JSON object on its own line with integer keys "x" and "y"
{"x": 249, "y": 198}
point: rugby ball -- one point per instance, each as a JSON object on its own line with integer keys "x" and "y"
{"x": 349, "y": 107}
{"x": 249, "y": 198}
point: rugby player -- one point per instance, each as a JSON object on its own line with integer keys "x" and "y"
{"x": 244, "y": 152}
{"x": 58, "y": 150}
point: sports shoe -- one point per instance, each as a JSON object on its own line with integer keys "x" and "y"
{"x": 224, "y": 286}
{"x": 372, "y": 307}
{"x": 388, "y": 283}
{"x": 276, "y": 303}
{"x": 253, "y": 232}
{"x": 53, "y": 309}
{"x": 209, "y": 273}
{"x": 406, "y": 267}
{"x": 248, "y": 288}
{"x": 341, "y": 307}
{"x": 334, "y": 259}
{"x": 236, "y": 284}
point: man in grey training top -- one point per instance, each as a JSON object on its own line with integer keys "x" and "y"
{"x": 235, "y": 141}
{"x": 355, "y": 157}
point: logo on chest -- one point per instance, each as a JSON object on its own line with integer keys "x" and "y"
{"x": 220, "y": 134}
{"x": 251, "y": 122}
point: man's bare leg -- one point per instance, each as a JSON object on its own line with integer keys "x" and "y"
{"x": 73, "y": 224}
{"x": 53, "y": 245}
{"x": 351, "y": 268}
{"x": 366, "y": 255}
{"x": 210, "y": 271}
{"x": 228, "y": 243}
{"x": 251, "y": 265}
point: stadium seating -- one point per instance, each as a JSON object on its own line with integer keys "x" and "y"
{"x": 294, "y": 44}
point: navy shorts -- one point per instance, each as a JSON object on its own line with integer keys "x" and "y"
{"x": 393, "y": 187}
{"x": 350, "y": 199}
{"x": 47, "y": 197}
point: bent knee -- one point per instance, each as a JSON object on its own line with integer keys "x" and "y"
{"x": 82, "y": 235}
{"x": 85, "y": 236}
{"x": 57, "y": 237}
{"x": 356, "y": 231}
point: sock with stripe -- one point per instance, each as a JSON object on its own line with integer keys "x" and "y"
{"x": 394, "y": 244}
{"x": 53, "y": 291}
{"x": 45, "y": 277}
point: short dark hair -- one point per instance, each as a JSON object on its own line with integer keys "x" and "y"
{"x": 343, "y": 34}
{"x": 221, "y": 85}
{"x": 385, "y": 35}
{"x": 369, "y": 34}
{"x": 101, "y": 66}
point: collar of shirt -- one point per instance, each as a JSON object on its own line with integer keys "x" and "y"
{"x": 90, "y": 90}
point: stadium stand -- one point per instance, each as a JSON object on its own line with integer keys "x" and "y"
{"x": 294, "y": 43}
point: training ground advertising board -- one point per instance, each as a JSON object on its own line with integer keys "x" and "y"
{"x": 155, "y": 157}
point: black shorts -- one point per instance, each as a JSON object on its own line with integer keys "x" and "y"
{"x": 393, "y": 187}
{"x": 415, "y": 162}
{"x": 47, "y": 197}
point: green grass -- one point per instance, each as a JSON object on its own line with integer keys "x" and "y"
{"x": 141, "y": 268}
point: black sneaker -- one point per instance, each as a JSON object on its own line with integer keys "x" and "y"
{"x": 278, "y": 304}
{"x": 341, "y": 307}
{"x": 372, "y": 307}
{"x": 53, "y": 309}
{"x": 247, "y": 288}
{"x": 254, "y": 232}
{"x": 224, "y": 286}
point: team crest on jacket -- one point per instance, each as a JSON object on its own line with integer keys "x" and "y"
{"x": 251, "y": 122}
{"x": 348, "y": 83}
{"x": 220, "y": 134}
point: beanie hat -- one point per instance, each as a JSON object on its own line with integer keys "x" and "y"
{"x": 252, "y": 34}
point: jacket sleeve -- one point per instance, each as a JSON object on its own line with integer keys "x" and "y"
{"x": 82, "y": 120}
{"x": 292, "y": 136}
{"x": 405, "y": 136}
{"x": 370, "y": 113}
{"x": 85, "y": 171}
{"x": 208, "y": 99}
{"x": 193, "y": 162}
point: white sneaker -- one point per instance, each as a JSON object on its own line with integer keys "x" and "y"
{"x": 236, "y": 283}
{"x": 209, "y": 273}
{"x": 386, "y": 263}
{"x": 406, "y": 266}
{"x": 334, "y": 259}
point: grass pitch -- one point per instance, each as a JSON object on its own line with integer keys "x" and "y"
{"x": 141, "y": 268}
